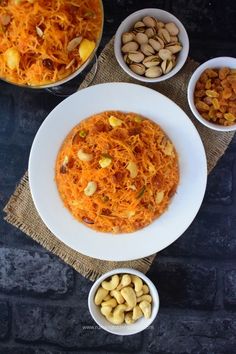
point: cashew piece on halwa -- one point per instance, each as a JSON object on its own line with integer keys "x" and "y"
{"x": 83, "y": 156}
{"x": 112, "y": 284}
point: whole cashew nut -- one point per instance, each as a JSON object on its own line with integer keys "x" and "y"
{"x": 129, "y": 295}
{"x": 112, "y": 284}
{"x": 118, "y": 316}
{"x": 100, "y": 295}
{"x": 137, "y": 313}
{"x": 129, "y": 318}
{"x": 111, "y": 302}
{"x": 145, "y": 289}
{"x": 117, "y": 295}
{"x": 147, "y": 298}
{"x": 146, "y": 308}
{"x": 108, "y": 297}
{"x": 139, "y": 293}
{"x": 125, "y": 281}
{"x": 138, "y": 284}
{"x": 106, "y": 310}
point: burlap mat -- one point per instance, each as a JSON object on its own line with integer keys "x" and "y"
{"x": 20, "y": 210}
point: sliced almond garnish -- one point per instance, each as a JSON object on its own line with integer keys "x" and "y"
{"x": 39, "y": 31}
{"x": 68, "y": 66}
{"x": 74, "y": 43}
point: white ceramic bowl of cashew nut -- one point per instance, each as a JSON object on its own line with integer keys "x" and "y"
{"x": 151, "y": 45}
{"x": 123, "y": 301}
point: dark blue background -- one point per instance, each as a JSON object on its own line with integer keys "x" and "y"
{"x": 43, "y": 302}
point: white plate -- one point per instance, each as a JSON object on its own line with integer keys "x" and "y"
{"x": 131, "y": 98}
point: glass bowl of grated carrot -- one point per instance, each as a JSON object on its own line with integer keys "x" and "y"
{"x": 47, "y": 43}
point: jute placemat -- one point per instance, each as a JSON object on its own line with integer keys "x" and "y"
{"x": 21, "y": 212}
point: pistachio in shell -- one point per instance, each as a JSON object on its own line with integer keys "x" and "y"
{"x": 138, "y": 68}
{"x": 135, "y": 56}
{"x": 147, "y": 49}
{"x": 156, "y": 45}
{"x": 139, "y": 26}
{"x": 174, "y": 48}
{"x": 165, "y": 54}
{"x": 153, "y": 72}
{"x": 149, "y": 21}
{"x": 173, "y": 39}
{"x": 164, "y": 35}
{"x": 157, "y": 38}
{"x": 172, "y": 28}
{"x": 160, "y": 24}
{"x": 167, "y": 66}
{"x": 152, "y": 60}
{"x": 150, "y": 32}
{"x": 129, "y": 47}
{"x": 141, "y": 38}
{"x": 127, "y": 60}
{"x": 127, "y": 37}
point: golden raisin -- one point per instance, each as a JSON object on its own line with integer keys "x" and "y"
{"x": 231, "y": 78}
{"x": 203, "y": 77}
{"x": 230, "y": 117}
{"x": 233, "y": 97}
{"x": 219, "y": 115}
{"x": 223, "y": 72}
{"x": 208, "y": 84}
{"x": 199, "y": 93}
{"x": 215, "y": 103}
{"x": 223, "y": 109}
{"x": 212, "y": 113}
{"x": 212, "y": 93}
{"x": 207, "y": 100}
{"x": 232, "y": 110}
{"x": 225, "y": 83}
{"x": 202, "y": 106}
{"x": 205, "y": 116}
{"x": 211, "y": 73}
{"x": 227, "y": 93}
{"x": 200, "y": 85}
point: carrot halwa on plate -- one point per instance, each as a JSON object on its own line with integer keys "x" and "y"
{"x": 116, "y": 172}
{"x": 44, "y": 41}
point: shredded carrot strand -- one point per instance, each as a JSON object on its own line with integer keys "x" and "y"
{"x": 121, "y": 203}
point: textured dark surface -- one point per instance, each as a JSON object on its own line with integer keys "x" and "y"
{"x": 43, "y": 303}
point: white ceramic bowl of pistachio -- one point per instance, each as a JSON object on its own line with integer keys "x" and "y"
{"x": 123, "y": 301}
{"x": 151, "y": 45}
